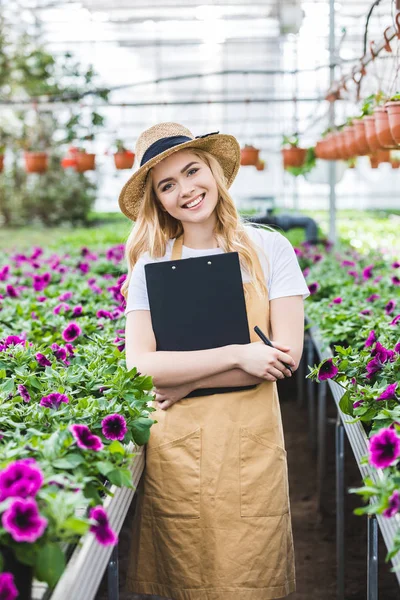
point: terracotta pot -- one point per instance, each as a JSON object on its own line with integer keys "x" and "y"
{"x": 350, "y": 140}
{"x": 395, "y": 164}
{"x": 294, "y": 157}
{"x": 338, "y": 144}
{"x": 68, "y": 162}
{"x": 85, "y": 161}
{"x": 370, "y": 133}
{"x": 383, "y": 128}
{"x": 23, "y": 575}
{"x": 393, "y": 109}
{"x": 124, "y": 160}
{"x": 361, "y": 138}
{"x": 260, "y": 166}
{"x": 249, "y": 156}
{"x": 1, "y": 162}
{"x": 36, "y": 162}
{"x": 379, "y": 157}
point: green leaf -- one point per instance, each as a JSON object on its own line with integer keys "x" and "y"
{"x": 120, "y": 477}
{"x": 26, "y": 554}
{"x": 71, "y": 461}
{"x": 104, "y": 467}
{"x": 141, "y": 430}
{"x": 78, "y": 526}
{"x": 116, "y": 448}
{"x": 50, "y": 564}
{"x": 346, "y": 405}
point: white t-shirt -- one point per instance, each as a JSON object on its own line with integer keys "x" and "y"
{"x": 278, "y": 260}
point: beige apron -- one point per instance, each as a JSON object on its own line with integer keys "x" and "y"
{"x": 213, "y": 516}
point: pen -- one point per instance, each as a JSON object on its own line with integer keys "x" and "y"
{"x": 266, "y": 341}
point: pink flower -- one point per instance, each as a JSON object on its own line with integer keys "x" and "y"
{"x": 102, "y": 530}
{"x": 42, "y": 360}
{"x": 23, "y": 521}
{"x": 71, "y": 332}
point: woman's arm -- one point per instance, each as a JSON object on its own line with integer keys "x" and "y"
{"x": 287, "y": 324}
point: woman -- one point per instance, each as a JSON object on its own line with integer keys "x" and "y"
{"x": 213, "y": 517}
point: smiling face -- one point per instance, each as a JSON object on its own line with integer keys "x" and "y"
{"x": 186, "y": 188}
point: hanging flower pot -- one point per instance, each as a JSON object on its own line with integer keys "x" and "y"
{"x": 370, "y": 133}
{"x": 395, "y": 164}
{"x": 341, "y": 142}
{"x": 379, "y": 157}
{"x": 249, "y": 156}
{"x": 393, "y": 109}
{"x": 85, "y": 161}
{"x": 260, "y": 166}
{"x": 361, "y": 137}
{"x": 124, "y": 160}
{"x": 350, "y": 141}
{"x": 68, "y": 162}
{"x": 36, "y": 162}
{"x": 337, "y": 141}
{"x": 1, "y": 162}
{"x": 23, "y": 574}
{"x": 383, "y": 128}
{"x": 294, "y": 157}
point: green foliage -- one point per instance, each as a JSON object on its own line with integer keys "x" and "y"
{"x": 309, "y": 164}
{"x": 290, "y": 140}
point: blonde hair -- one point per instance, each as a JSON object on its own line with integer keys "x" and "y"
{"x": 154, "y": 227}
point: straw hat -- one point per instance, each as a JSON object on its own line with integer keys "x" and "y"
{"x": 164, "y": 139}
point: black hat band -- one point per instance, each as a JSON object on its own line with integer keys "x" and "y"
{"x": 164, "y": 144}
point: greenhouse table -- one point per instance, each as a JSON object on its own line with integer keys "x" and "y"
{"x": 85, "y": 569}
{"x": 359, "y": 443}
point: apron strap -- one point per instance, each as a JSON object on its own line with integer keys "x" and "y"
{"x": 177, "y": 248}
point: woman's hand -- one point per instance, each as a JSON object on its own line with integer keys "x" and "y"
{"x": 167, "y": 396}
{"x": 266, "y": 362}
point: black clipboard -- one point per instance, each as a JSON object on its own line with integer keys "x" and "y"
{"x": 197, "y": 304}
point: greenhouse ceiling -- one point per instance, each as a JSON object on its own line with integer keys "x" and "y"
{"x": 258, "y": 68}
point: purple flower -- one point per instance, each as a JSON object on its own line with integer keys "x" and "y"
{"x": 63, "y": 306}
{"x": 37, "y": 251}
{"x": 23, "y": 392}
{"x": 11, "y": 340}
{"x": 102, "y": 530}
{"x": 120, "y": 342}
{"x": 396, "y": 265}
{"x": 317, "y": 258}
{"x": 396, "y": 280}
{"x": 394, "y": 505}
{"x": 8, "y": 591}
{"x": 21, "y": 478}
{"x": 395, "y": 320}
{"x": 114, "y": 427}
{"x": 338, "y": 300}
{"x": 103, "y": 314}
{"x": 327, "y": 370}
{"x": 373, "y": 297}
{"x": 373, "y": 366}
{"x": 85, "y": 438}
{"x": 23, "y": 521}
{"x": 65, "y": 296}
{"x": 4, "y": 272}
{"x": 54, "y": 400}
{"x": 352, "y": 273}
{"x": 357, "y": 403}
{"x": 313, "y": 287}
{"x": 389, "y": 308}
{"x": 306, "y": 272}
{"x": 382, "y": 353}
{"x": 59, "y": 352}
{"x": 366, "y": 311}
{"x": 347, "y": 263}
{"x": 70, "y": 349}
{"x": 83, "y": 267}
{"x": 40, "y": 282}
{"x": 397, "y": 347}
{"x": 77, "y": 311}
{"x": 371, "y": 339}
{"x": 389, "y": 393}
{"x": 367, "y": 272}
{"x": 42, "y": 360}
{"x": 71, "y": 332}
{"x": 12, "y": 292}
{"x": 384, "y": 448}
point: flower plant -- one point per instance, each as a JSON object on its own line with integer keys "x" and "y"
{"x": 68, "y": 405}
{"x": 355, "y": 301}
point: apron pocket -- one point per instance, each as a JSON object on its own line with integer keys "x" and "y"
{"x": 263, "y": 477}
{"x": 172, "y": 480}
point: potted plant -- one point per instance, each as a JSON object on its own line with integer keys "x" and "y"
{"x": 293, "y": 155}
{"x": 84, "y": 161}
{"x": 249, "y": 155}
{"x": 36, "y": 161}
{"x": 382, "y": 127}
{"x": 307, "y": 165}
{"x": 123, "y": 158}
{"x": 378, "y": 157}
{"x": 260, "y": 166}
{"x": 393, "y": 109}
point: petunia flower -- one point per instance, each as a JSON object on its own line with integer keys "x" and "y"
{"x": 21, "y": 478}
{"x": 114, "y": 427}
{"x": 395, "y": 320}
{"x": 12, "y": 292}
{"x": 352, "y": 273}
{"x": 373, "y": 366}
{"x": 313, "y": 288}
{"x": 396, "y": 265}
{"x": 338, "y": 300}
{"x": 348, "y": 263}
{"x": 384, "y": 448}
{"x": 371, "y": 339}
{"x": 23, "y": 521}
{"x": 366, "y": 311}
{"x": 389, "y": 393}
{"x": 102, "y": 530}
{"x": 70, "y": 349}
{"x": 63, "y": 306}
{"x": 394, "y": 505}
{"x": 373, "y": 297}
{"x": 396, "y": 280}
{"x": 83, "y": 267}
{"x": 4, "y": 273}
{"x": 85, "y": 438}
{"x": 382, "y": 353}
{"x": 8, "y": 590}
{"x": 327, "y": 370}
{"x": 71, "y": 332}
{"x": 367, "y": 272}
{"x": 42, "y": 360}
{"x": 23, "y": 392}
{"x": 390, "y": 306}
{"x": 357, "y": 403}
{"x": 59, "y": 352}
{"x": 65, "y": 296}
{"x": 103, "y": 314}
{"x": 11, "y": 340}
{"x": 397, "y": 347}
{"x": 54, "y": 400}
{"x": 77, "y": 311}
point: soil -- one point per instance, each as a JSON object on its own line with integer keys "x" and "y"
{"x": 313, "y": 529}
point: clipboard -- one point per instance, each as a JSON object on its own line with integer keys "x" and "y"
{"x": 198, "y": 304}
